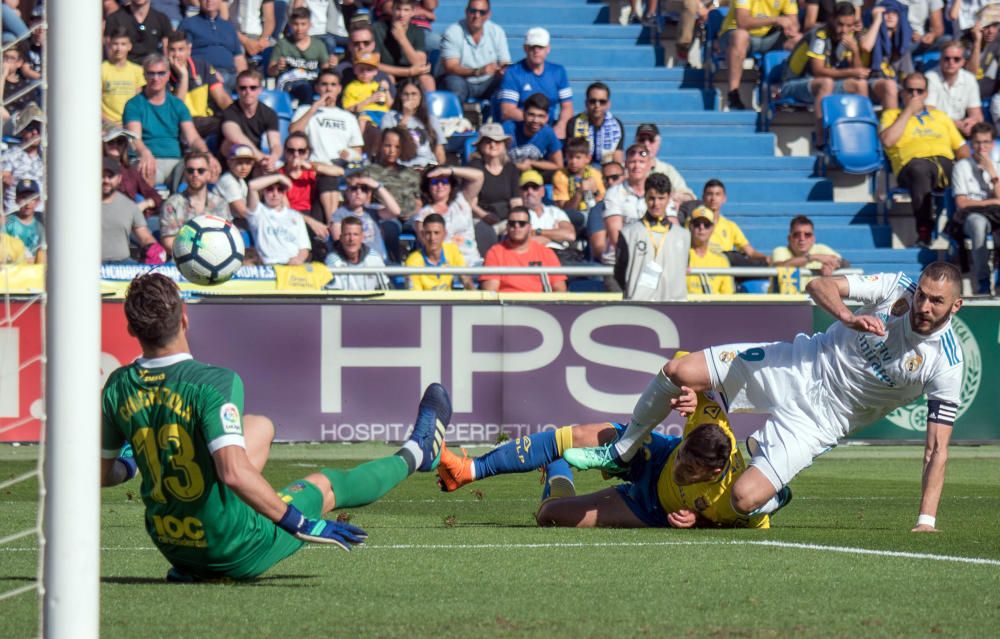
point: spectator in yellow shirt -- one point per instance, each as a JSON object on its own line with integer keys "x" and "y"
{"x": 11, "y": 248}
{"x": 728, "y": 237}
{"x": 120, "y": 79}
{"x": 365, "y": 97}
{"x": 435, "y": 252}
{"x": 702, "y": 255}
{"x": 804, "y": 252}
{"x": 756, "y": 26}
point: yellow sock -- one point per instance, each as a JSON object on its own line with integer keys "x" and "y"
{"x": 564, "y": 439}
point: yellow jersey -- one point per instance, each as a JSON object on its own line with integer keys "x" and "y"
{"x": 718, "y": 284}
{"x": 927, "y": 134}
{"x": 450, "y": 256}
{"x": 727, "y": 236}
{"x": 118, "y": 86}
{"x": 711, "y": 499}
{"x": 759, "y": 9}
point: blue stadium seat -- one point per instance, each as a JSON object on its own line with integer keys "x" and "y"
{"x": 710, "y": 59}
{"x": 851, "y": 134}
{"x": 756, "y": 285}
{"x": 772, "y": 71}
{"x": 445, "y": 104}
{"x": 281, "y": 102}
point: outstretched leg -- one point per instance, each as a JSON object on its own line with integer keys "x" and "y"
{"x": 603, "y": 509}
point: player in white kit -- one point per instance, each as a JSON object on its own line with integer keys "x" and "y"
{"x": 817, "y": 389}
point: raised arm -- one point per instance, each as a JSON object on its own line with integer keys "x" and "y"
{"x": 829, "y": 294}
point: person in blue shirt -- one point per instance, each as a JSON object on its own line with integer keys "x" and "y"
{"x": 534, "y": 75}
{"x": 534, "y": 145}
{"x": 215, "y": 40}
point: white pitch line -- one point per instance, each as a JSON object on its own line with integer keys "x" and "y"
{"x": 980, "y": 561}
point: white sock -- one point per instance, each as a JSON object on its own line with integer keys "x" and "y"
{"x": 769, "y": 507}
{"x": 651, "y": 409}
{"x": 413, "y": 451}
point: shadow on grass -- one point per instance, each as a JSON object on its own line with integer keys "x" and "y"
{"x": 267, "y": 580}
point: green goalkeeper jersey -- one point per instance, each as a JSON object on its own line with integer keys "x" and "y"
{"x": 176, "y": 412}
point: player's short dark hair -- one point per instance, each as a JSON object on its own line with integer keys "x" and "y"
{"x": 153, "y": 309}
{"x": 800, "y": 220}
{"x": 843, "y": 9}
{"x": 658, "y": 182}
{"x": 350, "y": 220}
{"x": 537, "y": 101}
{"x": 714, "y": 182}
{"x": 600, "y": 86}
{"x": 300, "y": 13}
{"x": 708, "y": 445}
{"x": 982, "y": 127}
{"x": 944, "y": 271}
{"x": 435, "y": 218}
{"x": 576, "y": 145}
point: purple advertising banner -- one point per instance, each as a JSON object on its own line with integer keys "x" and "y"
{"x": 355, "y": 372}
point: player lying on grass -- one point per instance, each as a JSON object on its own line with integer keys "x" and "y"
{"x": 209, "y": 509}
{"x": 675, "y": 482}
{"x": 819, "y": 388}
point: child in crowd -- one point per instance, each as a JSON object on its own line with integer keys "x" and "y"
{"x": 364, "y": 96}
{"x": 232, "y": 186}
{"x": 579, "y": 186}
{"x": 297, "y": 58}
{"x": 24, "y": 225}
{"x": 120, "y": 79}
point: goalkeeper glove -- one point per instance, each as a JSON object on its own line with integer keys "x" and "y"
{"x": 320, "y": 531}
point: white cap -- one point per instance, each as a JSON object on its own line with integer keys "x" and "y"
{"x": 536, "y": 37}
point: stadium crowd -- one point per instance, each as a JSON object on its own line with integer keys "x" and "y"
{"x": 309, "y": 123}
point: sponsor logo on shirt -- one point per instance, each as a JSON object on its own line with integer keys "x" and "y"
{"x": 230, "y": 417}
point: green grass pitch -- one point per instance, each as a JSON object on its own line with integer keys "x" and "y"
{"x": 472, "y": 564}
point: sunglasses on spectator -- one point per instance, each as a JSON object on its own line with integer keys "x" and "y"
{"x": 477, "y": 12}
{"x": 803, "y": 234}
{"x": 364, "y": 188}
{"x": 440, "y": 181}
{"x": 953, "y": 58}
{"x": 156, "y": 74}
{"x": 518, "y": 223}
{"x": 248, "y": 87}
{"x": 596, "y": 101}
{"x": 195, "y": 170}
{"x": 915, "y": 90}
{"x": 608, "y": 179}
{"x": 701, "y": 223}
{"x": 296, "y": 150}
{"x": 360, "y": 43}
{"x": 530, "y": 185}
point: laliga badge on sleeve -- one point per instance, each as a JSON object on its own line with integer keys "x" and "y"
{"x": 229, "y": 415}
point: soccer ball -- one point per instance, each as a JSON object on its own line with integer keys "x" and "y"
{"x": 208, "y": 250}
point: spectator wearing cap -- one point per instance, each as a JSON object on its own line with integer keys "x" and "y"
{"x": 297, "y": 57}
{"x": 279, "y": 233}
{"x": 195, "y": 200}
{"x": 351, "y": 250}
{"x": 24, "y": 225}
{"x": 402, "y": 47}
{"x": 121, "y": 218}
{"x": 365, "y": 96}
{"x": 436, "y": 250}
{"x": 604, "y": 132}
{"x": 248, "y": 121}
{"x": 984, "y": 56}
{"x": 625, "y": 201}
{"x": 704, "y": 255}
{"x": 518, "y": 249}
{"x": 952, "y": 89}
{"x": 500, "y": 176}
{"x": 651, "y": 257}
{"x": 550, "y": 225}
{"x": 803, "y": 251}
{"x": 648, "y": 136}
{"x": 534, "y": 74}
{"x": 756, "y": 26}
{"x": 214, "y": 40}
{"x": 535, "y": 144}
{"x": 146, "y": 27}
{"x": 333, "y": 133}
{"x": 159, "y": 121}
{"x": 121, "y": 79}
{"x": 197, "y": 84}
{"x": 474, "y": 53}
{"x": 254, "y": 21}
{"x": 24, "y": 160}
{"x": 728, "y": 237}
{"x": 358, "y": 204}
{"x": 232, "y": 186}
{"x": 117, "y": 142}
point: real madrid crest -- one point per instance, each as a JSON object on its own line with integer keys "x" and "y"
{"x": 727, "y": 356}
{"x": 900, "y": 307}
{"x": 912, "y": 363}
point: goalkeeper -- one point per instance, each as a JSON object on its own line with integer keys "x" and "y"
{"x": 209, "y": 509}
{"x": 678, "y": 483}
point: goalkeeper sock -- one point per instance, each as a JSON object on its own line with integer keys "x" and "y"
{"x": 366, "y": 483}
{"x": 412, "y": 454}
{"x": 518, "y": 456}
{"x": 651, "y": 409}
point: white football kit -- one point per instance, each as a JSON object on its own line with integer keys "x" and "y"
{"x": 819, "y": 388}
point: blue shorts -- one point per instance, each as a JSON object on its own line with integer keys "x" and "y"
{"x": 640, "y": 490}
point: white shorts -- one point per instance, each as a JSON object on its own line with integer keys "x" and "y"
{"x": 776, "y": 378}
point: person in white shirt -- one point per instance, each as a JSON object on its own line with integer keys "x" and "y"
{"x": 351, "y": 251}
{"x": 550, "y": 224}
{"x": 279, "y": 233}
{"x": 232, "y": 186}
{"x": 333, "y": 133}
{"x": 975, "y": 180}
{"x": 954, "y": 90}
{"x": 817, "y": 389}
{"x": 625, "y": 201}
